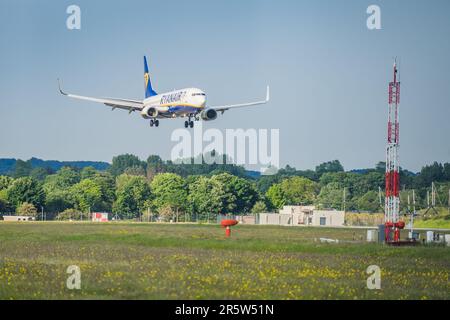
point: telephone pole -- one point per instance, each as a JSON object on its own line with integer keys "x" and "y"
{"x": 343, "y": 202}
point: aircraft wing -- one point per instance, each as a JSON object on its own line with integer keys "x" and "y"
{"x": 130, "y": 105}
{"x": 242, "y": 105}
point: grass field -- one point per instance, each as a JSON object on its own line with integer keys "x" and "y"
{"x": 167, "y": 261}
{"x": 434, "y": 223}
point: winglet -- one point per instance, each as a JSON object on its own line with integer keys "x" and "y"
{"x": 60, "y": 90}
{"x": 268, "y": 94}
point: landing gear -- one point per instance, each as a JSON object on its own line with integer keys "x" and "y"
{"x": 189, "y": 123}
{"x": 154, "y": 122}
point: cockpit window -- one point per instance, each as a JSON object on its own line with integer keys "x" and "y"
{"x": 198, "y": 94}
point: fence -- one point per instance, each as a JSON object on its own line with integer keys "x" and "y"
{"x": 253, "y": 219}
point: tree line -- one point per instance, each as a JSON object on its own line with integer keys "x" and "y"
{"x": 131, "y": 188}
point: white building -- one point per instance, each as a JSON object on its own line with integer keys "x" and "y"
{"x": 331, "y": 218}
{"x": 297, "y": 209}
{"x": 303, "y": 216}
{"x": 18, "y": 218}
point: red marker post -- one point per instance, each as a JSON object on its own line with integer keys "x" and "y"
{"x": 227, "y": 224}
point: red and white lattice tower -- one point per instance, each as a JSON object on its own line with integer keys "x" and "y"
{"x": 392, "y": 201}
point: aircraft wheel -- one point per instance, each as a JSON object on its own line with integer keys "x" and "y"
{"x": 156, "y": 123}
{"x": 151, "y": 123}
{"x": 191, "y": 124}
{"x": 186, "y": 124}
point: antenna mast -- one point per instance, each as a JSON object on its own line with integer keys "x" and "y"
{"x": 392, "y": 200}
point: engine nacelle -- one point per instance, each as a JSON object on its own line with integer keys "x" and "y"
{"x": 149, "y": 112}
{"x": 208, "y": 114}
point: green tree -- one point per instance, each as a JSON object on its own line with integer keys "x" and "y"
{"x": 107, "y": 186}
{"x": 265, "y": 182}
{"x": 331, "y": 196}
{"x": 167, "y": 213}
{"x": 26, "y": 209}
{"x": 380, "y": 167}
{"x": 245, "y": 193}
{"x": 88, "y": 172}
{"x": 169, "y": 190}
{"x": 57, "y": 200}
{"x": 135, "y": 171}
{"x": 276, "y": 196}
{"x": 429, "y": 174}
{"x": 299, "y": 190}
{"x": 345, "y": 179}
{"x": 132, "y": 196}
{"x": 224, "y": 184}
{"x": 87, "y": 195}
{"x": 25, "y": 190}
{"x": 363, "y": 183}
{"x": 259, "y": 207}
{"x": 446, "y": 171}
{"x": 5, "y": 182}
{"x": 57, "y": 189}
{"x": 292, "y": 191}
{"x": 221, "y": 194}
{"x": 330, "y": 166}
{"x": 40, "y": 173}
{"x": 201, "y": 197}
{"x": 369, "y": 202}
{"x": 5, "y": 205}
{"x": 124, "y": 161}
{"x": 22, "y": 168}
{"x": 72, "y": 214}
{"x": 155, "y": 165}
{"x": 196, "y": 166}
{"x": 64, "y": 178}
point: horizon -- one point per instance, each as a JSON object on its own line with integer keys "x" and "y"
{"x": 247, "y": 169}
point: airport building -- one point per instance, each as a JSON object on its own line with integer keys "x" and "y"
{"x": 18, "y": 218}
{"x": 303, "y": 216}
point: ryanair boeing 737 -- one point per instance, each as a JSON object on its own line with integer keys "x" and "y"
{"x": 187, "y": 103}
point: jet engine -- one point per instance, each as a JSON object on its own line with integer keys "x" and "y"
{"x": 149, "y": 112}
{"x": 208, "y": 114}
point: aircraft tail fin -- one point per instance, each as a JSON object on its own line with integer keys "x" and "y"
{"x": 149, "y": 92}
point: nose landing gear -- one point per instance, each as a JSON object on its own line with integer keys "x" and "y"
{"x": 154, "y": 122}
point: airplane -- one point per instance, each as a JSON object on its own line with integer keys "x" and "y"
{"x": 185, "y": 103}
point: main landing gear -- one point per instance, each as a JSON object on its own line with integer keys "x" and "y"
{"x": 189, "y": 123}
{"x": 154, "y": 122}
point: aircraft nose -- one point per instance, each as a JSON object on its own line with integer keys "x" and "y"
{"x": 203, "y": 101}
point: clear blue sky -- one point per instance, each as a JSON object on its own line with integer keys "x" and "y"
{"x": 328, "y": 75}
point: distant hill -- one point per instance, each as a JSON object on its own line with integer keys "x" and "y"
{"x": 253, "y": 174}
{"x": 364, "y": 171}
{"x": 7, "y": 166}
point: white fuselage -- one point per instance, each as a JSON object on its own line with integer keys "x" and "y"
{"x": 177, "y": 103}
